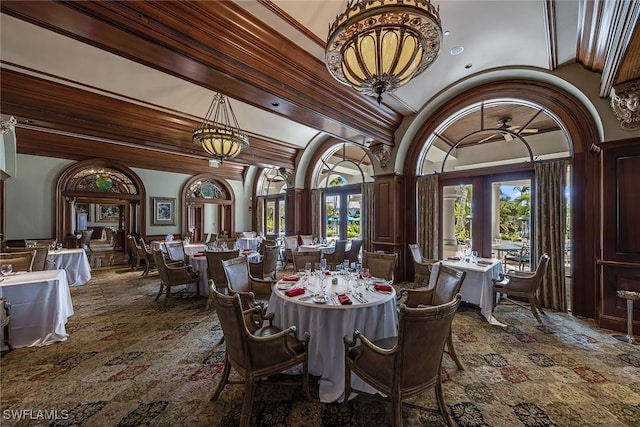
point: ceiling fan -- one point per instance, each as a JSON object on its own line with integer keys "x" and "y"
{"x": 503, "y": 125}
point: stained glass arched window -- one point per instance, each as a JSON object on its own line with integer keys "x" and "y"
{"x": 207, "y": 188}
{"x": 101, "y": 180}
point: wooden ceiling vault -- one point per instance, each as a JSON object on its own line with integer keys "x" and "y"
{"x": 220, "y": 46}
{"x": 225, "y": 55}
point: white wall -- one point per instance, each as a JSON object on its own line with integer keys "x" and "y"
{"x": 31, "y": 195}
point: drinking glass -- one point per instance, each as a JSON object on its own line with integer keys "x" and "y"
{"x": 58, "y": 246}
{"x": 323, "y": 262}
{"x": 307, "y": 269}
{"x": 365, "y": 275}
{"x": 318, "y": 269}
{"x": 474, "y": 256}
{"x": 6, "y": 269}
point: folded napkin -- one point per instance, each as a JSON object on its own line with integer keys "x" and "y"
{"x": 344, "y": 299}
{"x": 291, "y": 278}
{"x": 293, "y": 292}
{"x": 483, "y": 262}
{"x": 246, "y": 251}
{"x": 454, "y": 258}
{"x": 200, "y": 255}
{"x": 383, "y": 288}
{"x": 327, "y": 273}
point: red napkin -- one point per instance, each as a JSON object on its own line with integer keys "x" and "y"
{"x": 482, "y": 262}
{"x": 383, "y": 288}
{"x": 327, "y": 273}
{"x": 294, "y": 292}
{"x": 454, "y": 258}
{"x": 344, "y": 299}
{"x": 199, "y": 254}
{"x": 246, "y": 251}
{"x": 291, "y": 278}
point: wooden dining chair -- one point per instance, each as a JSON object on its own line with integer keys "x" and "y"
{"x": 40, "y": 260}
{"x": 522, "y": 285}
{"x": 20, "y": 261}
{"x": 254, "y": 352}
{"x": 5, "y": 322}
{"x": 405, "y": 365}
{"x": 380, "y": 264}
{"x": 448, "y": 283}
{"x": 174, "y": 275}
{"x": 338, "y": 255}
{"x": 300, "y": 258}
{"x": 421, "y": 266}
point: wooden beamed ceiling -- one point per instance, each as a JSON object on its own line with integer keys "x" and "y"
{"x": 86, "y": 117}
{"x": 216, "y": 45}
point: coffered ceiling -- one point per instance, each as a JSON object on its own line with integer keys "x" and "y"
{"x": 133, "y": 79}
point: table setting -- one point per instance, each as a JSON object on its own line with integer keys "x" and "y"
{"x": 331, "y": 305}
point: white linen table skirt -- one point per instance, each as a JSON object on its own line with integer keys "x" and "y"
{"x": 40, "y": 306}
{"x": 477, "y": 287}
{"x": 74, "y": 262}
{"x": 328, "y": 324}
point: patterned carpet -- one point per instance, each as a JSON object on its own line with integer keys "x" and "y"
{"x": 129, "y": 363}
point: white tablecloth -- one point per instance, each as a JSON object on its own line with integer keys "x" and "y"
{"x": 325, "y": 249}
{"x": 328, "y": 324}
{"x": 40, "y": 305}
{"x": 74, "y": 262}
{"x": 477, "y": 287}
{"x": 249, "y": 243}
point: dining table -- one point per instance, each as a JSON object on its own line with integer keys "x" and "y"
{"x": 40, "y": 306}
{"x": 74, "y": 262}
{"x": 328, "y": 321}
{"x": 250, "y": 243}
{"x": 504, "y": 248}
{"x": 477, "y": 287}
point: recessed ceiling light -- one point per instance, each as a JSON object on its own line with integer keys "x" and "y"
{"x": 446, "y": 33}
{"x": 468, "y": 66}
{"x": 456, "y": 50}
{"x": 275, "y": 104}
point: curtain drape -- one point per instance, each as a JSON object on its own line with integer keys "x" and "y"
{"x": 427, "y": 194}
{"x": 260, "y": 216}
{"x": 368, "y": 190}
{"x": 316, "y": 213}
{"x": 549, "y": 230}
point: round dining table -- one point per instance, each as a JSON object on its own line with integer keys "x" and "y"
{"x": 374, "y": 314}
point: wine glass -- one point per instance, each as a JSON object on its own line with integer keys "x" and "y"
{"x": 365, "y": 275}
{"x": 474, "y": 256}
{"x": 318, "y": 269}
{"x": 323, "y": 262}
{"x": 307, "y": 269}
{"x": 6, "y": 269}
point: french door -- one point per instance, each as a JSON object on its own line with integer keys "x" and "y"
{"x": 486, "y": 214}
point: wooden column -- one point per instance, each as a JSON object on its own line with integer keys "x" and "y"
{"x": 389, "y": 219}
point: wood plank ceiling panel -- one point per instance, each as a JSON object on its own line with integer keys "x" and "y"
{"x": 62, "y": 108}
{"x": 218, "y": 45}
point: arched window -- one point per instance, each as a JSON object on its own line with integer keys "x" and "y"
{"x": 208, "y": 208}
{"x": 344, "y": 168}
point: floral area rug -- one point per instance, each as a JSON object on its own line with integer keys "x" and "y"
{"x": 128, "y": 362}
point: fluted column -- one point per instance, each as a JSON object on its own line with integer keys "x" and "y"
{"x": 449, "y": 196}
{"x": 495, "y": 211}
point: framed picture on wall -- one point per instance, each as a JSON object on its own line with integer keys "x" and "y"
{"x": 107, "y": 213}
{"x": 164, "y": 211}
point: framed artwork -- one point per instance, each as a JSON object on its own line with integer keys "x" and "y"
{"x": 107, "y": 213}
{"x": 164, "y": 211}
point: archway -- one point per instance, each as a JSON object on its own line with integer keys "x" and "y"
{"x": 99, "y": 193}
{"x": 208, "y": 207}
{"x": 578, "y": 125}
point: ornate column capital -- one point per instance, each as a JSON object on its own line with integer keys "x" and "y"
{"x": 288, "y": 175}
{"x": 382, "y": 152}
{"x": 7, "y": 126}
{"x": 626, "y": 106}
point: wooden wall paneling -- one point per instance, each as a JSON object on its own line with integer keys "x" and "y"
{"x": 389, "y": 214}
{"x": 619, "y": 266}
{"x": 613, "y": 309}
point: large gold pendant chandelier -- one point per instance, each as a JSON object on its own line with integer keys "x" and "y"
{"x": 376, "y": 46}
{"x": 219, "y": 134}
